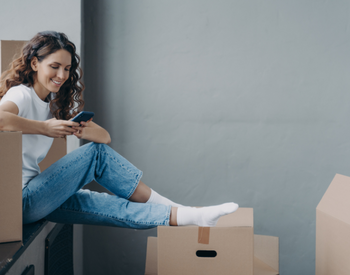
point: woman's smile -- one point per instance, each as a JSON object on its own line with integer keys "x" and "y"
{"x": 57, "y": 83}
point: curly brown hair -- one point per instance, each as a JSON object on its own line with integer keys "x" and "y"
{"x": 68, "y": 100}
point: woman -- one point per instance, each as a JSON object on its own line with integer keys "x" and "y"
{"x": 40, "y": 92}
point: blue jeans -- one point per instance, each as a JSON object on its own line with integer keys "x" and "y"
{"x": 56, "y": 193}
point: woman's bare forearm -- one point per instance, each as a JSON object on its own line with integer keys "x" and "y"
{"x": 92, "y": 132}
{"x": 98, "y": 134}
{"x": 12, "y": 122}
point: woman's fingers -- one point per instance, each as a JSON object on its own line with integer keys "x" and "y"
{"x": 66, "y": 131}
{"x": 60, "y": 128}
{"x": 78, "y": 134}
{"x": 70, "y": 123}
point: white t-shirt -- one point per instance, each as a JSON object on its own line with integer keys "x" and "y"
{"x": 34, "y": 147}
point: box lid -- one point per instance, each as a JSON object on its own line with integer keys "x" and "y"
{"x": 335, "y": 202}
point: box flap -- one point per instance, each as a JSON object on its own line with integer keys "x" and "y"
{"x": 242, "y": 217}
{"x": 261, "y": 268}
{"x": 266, "y": 249}
{"x": 335, "y": 202}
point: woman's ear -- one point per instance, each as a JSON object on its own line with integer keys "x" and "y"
{"x": 34, "y": 64}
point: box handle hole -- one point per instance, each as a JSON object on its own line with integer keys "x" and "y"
{"x": 206, "y": 253}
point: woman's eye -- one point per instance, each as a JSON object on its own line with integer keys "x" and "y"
{"x": 54, "y": 67}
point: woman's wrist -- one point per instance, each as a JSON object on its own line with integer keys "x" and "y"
{"x": 42, "y": 127}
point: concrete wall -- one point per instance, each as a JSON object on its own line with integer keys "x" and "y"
{"x": 21, "y": 20}
{"x": 216, "y": 101}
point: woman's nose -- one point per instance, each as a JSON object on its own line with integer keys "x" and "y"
{"x": 61, "y": 74}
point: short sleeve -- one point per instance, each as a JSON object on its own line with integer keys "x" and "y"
{"x": 19, "y": 96}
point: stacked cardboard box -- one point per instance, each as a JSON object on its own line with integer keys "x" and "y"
{"x": 9, "y": 49}
{"x": 229, "y": 248}
{"x": 10, "y": 186}
{"x": 11, "y": 162}
{"x": 11, "y": 181}
{"x": 333, "y": 229}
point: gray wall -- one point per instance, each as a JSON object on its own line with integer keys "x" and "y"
{"x": 217, "y": 101}
{"x": 21, "y": 20}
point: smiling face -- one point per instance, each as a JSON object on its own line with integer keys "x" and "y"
{"x": 51, "y": 72}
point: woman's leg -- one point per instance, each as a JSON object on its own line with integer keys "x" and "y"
{"x": 142, "y": 193}
{"x": 89, "y": 207}
{"x": 56, "y": 194}
{"x": 50, "y": 189}
{"x": 147, "y": 195}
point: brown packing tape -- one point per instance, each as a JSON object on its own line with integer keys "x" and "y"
{"x": 203, "y": 235}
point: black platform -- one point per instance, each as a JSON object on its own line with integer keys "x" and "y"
{"x": 10, "y": 252}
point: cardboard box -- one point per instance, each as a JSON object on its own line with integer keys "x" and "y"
{"x": 224, "y": 249}
{"x": 333, "y": 229}
{"x": 10, "y": 186}
{"x": 228, "y": 248}
{"x": 11, "y": 181}
{"x": 58, "y": 150}
{"x": 9, "y": 49}
{"x": 266, "y": 256}
{"x": 11, "y": 162}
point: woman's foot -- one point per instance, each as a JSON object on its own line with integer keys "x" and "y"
{"x": 204, "y": 216}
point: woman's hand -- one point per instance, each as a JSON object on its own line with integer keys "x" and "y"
{"x": 59, "y": 128}
{"x": 81, "y": 130}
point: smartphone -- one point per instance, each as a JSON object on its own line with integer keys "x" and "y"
{"x": 83, "y": 116}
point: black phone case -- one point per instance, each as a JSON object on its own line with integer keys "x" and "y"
{"x": 83, "y": 116}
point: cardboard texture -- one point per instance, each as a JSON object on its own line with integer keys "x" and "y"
{"x": 9, "y": 49}
{"x": 58, "y": 150}
{"x": 11, "y": 181}
{"x": 231, "y": 243}
{"x": 267, "y": 247}
{"x": 333, "y": 229}
{"x": 10, "y": 165}
{"x": 10, "y": 186}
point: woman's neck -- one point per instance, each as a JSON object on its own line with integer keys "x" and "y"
{"x": 41, "y": 91}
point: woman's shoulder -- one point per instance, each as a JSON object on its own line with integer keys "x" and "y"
{"x": 19, "y": 90}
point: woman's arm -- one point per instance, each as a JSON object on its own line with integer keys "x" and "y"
{"x": 10, "y": 121}
{"x": 93, "y": 132}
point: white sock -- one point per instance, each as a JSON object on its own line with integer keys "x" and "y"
{"x": 204, "y": 216}
{"x": 155, "y": 198}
